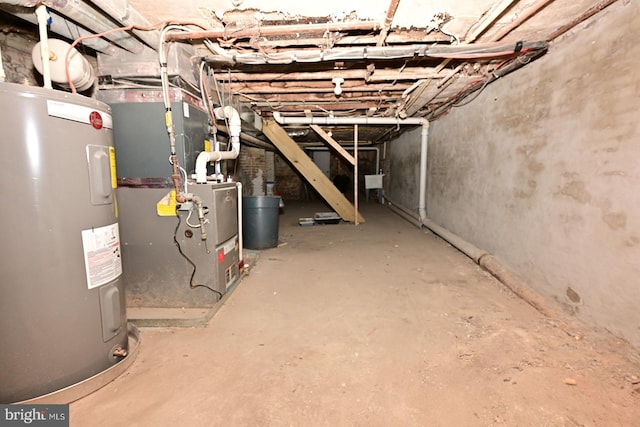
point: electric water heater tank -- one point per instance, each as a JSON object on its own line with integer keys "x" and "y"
{"x": 62, "y": 309}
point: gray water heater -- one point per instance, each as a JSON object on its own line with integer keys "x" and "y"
{"x": 62, "y": 310}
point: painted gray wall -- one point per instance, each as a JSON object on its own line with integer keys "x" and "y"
{"x": 403, "y": 169}
{"x": 543, "y": 171}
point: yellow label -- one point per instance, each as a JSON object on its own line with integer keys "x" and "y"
{"x": 208, "y": 148}
{"x": 167, "y": 119}
{"x": 112, "y": 162}
{"x": 167, "y": 205}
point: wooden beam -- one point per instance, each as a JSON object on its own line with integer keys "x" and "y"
{"x": 332, "y": 142}
{"x": 314, "y": 176}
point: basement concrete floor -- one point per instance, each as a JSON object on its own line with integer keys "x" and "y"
{"x": 376, "y": 325}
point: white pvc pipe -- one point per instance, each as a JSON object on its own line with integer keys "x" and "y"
{"x": 348, "y": 120}
{"x": 2, "y": 74}
{"x": 422, "y": 208}
{"x": 240, "y": 242}
{"x": 43, "y": 17}
{"x": 422, "y": 205}
{"x": 234, "y": 119}
{"x": 205, "y": 157}
{"x": 213, "y": 156}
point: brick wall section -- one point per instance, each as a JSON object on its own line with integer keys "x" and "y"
{"x": 251, "y": 170}
{"x": 289, "y": 184}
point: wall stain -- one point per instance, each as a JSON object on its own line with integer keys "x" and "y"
{"x": 632, "y": 241}
{"x": 577, "y": 190}
{"x": 531, "y": 168}
{"x": 529, "y": 192}
{"x": 530, "y": 151}
{"x": 573, "y": 296}
{"x": 614, "y": 173}
{"x": 615, "y": 220}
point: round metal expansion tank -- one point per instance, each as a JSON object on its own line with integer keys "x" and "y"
{"x": 62, "y": 307}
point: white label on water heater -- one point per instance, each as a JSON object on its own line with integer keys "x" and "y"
{"x": 102, "y": 259}
{"x": 77, "y": 113}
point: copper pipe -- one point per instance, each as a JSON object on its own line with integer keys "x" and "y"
{"x": 275, "y": 30}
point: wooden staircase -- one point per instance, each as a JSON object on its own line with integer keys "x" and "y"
{"x": 314, "y": 176}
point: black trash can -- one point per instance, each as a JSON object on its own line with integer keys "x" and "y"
{"x": 260, "y": 221}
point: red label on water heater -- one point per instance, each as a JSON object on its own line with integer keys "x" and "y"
{"x": 96, "y": 120}
{"x": 221, "y": 256}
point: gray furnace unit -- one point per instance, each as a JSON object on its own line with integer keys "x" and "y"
{"x": 166, "y": 260}
{"x": 62, "y": 311}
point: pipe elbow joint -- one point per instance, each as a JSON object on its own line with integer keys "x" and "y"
{"x": 235, "y": 126}
{"x": 201, "y": 167}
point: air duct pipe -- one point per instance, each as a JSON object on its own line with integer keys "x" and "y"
{"x": 231, "y": 114}
{"x": 86, "y": 16}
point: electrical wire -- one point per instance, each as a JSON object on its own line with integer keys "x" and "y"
{"x": 193, "y": 265}
{"x": 187, "y": 220}
{"x": 477, "y": 94}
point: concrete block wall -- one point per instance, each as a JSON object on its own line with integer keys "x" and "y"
{"x": 543, "y": 171}
{"x": 402, "y": 169}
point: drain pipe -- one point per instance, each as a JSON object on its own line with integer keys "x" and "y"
{"x": 205, "y": 157}
{"x": 43, "y": 17}
{"x": 349, "y": 120}
{"x": 424, "y": 145}
{"x": 480, "y": 256}
{"x": 240, "y": 242}
{"x": 2, "y": 73}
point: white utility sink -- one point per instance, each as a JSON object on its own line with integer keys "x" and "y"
{"x": 373, "y": 181}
